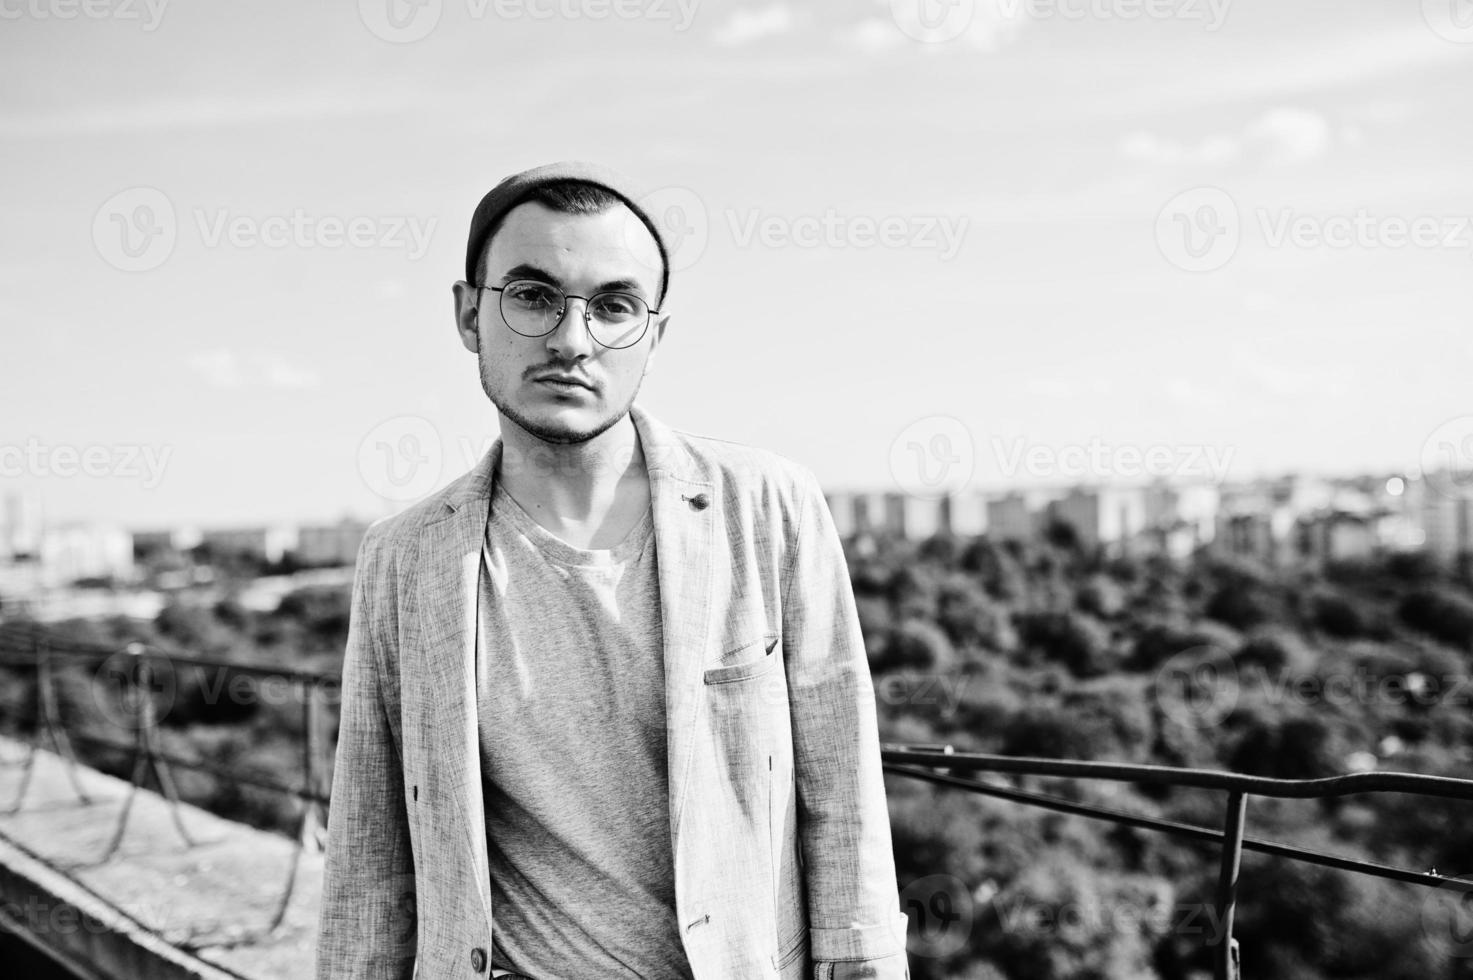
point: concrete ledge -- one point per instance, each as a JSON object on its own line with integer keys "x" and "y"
{"x": 81, "y": 931}
{"x": 158, "y": 908}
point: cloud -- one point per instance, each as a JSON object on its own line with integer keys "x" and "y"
{"x": 1151, "y": 148}
{"x": 875, "y": 34}
{"x": 1374, "y": 59}
{"x": 1288, "y": 135}
{"x": 748, "y": 24}
{"x": 1325, "y": 379}
{"x": 223, "y": 368}
{"x": 1282, "y": 136}
{"x": 1191, "y": 393}
{"x": 936, "y": 27}
{"x": 200, "y": 112}
{"x": 930, "y": 27}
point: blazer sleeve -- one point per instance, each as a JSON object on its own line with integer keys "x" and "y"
{"x": 843, "y": 824}
{"x": 366, "y": 924}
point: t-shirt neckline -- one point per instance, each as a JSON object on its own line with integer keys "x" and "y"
{"x": 505, "y": 506}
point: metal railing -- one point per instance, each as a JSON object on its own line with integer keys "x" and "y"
{"x": 139, "y": 667}
{"x": 938, "y": 763}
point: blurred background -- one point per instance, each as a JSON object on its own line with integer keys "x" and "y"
{"x": 1127, "y": 338}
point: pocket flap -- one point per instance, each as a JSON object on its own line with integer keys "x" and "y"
{"x": 749, "y": 660}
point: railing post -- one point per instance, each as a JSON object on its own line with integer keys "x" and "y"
{"x": 1225, "y": 947}
{"x": 316, "y": 825}
{"x": 309, "y": 826}
{"x": 51, "y": 725}
{"x": 145, "y": 753}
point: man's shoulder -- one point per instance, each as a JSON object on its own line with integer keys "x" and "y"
{"x": 740, "y": 464}
{"x": 405, "y": 528}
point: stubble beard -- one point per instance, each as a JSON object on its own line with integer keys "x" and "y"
{"x": 552, "y": 433}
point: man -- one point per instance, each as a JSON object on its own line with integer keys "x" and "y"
{"x": 606, "y": 711}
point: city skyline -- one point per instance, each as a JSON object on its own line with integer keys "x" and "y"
{"x": 906, "y": 483}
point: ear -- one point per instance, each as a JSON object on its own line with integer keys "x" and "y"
{"x": 467, "y": 323}
{"x": 657, "y": 331}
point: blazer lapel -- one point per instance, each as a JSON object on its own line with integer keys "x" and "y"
{"x": 449, "y": 571}
{"x": 686, "y": 512}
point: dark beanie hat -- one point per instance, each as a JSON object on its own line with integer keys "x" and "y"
{"x": 515, "y": 190}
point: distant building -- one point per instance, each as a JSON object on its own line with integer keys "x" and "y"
{"x": 1299, "y": 493}
{"x": 903, "y": 515}
{"x": 1109, "y": 518}
{"x": 1247, "y": 535}
{"x": 1009, "y": 518}
{"x": 873, "y": 513}
{"x": 330, "y": 544}
{"x": 1178, "y": 541}
{"x": 174, "y": 540}
{"x": 1446, "y": 518}
{"x": 21, "y": 526}
{"x": 1334, "y": 535}
{"x": 1281, "y": 520}
{"x": 967, "y": 514}
{"x": 841, "y": 508}
{"x": 1180, "y": 518}
{"x": 1260, "y": 519}
{"x": 81, "y": 551}
{"x": 916, "y": 518}
{"x": 1194, "y": 505}
{"x": 268, "y": 544}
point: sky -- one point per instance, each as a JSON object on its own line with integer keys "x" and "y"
{"x": 978, "y": 242}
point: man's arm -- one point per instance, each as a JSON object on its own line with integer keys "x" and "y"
{"x": 855, "y": 922}
{"x": 366, "y": 926}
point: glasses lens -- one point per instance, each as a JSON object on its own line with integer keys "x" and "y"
{"x": 617, "y": 319}
{"x": 531, "y": 308}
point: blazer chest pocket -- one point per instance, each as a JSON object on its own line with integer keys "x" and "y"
{"x": 753, "y": 659}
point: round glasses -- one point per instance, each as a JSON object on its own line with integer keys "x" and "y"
{"x": 534, "y": 309}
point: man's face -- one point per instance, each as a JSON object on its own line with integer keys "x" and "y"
{"x": 581, "y": 255}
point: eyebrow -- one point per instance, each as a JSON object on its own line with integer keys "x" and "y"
{"x": 525, "y": 271}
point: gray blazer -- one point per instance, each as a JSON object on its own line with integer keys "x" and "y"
{"x": 778, "y": 823}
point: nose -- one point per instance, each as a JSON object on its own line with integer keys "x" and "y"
{"x": 570, "y": 338}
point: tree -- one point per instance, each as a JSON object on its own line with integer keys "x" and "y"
{"x": 1336, "y": 615}
{"x": 1286, "y": 746}
{"x": 1061, "y": 921}
{"x": 998, "y": 569}
{"x": 1076, "y": 640}
{"x": 970, "y": 616}
{"x": 920, "y": 645}
{"x": 1440, "y": 613}
{"x": 1101, "y": 596}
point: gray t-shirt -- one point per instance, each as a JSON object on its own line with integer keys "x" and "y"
{"x": 571, "y": 688}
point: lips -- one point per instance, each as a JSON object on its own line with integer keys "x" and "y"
{"x": 564, "y": 379}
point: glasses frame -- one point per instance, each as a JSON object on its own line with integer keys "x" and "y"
{"x": 557, "y": 322}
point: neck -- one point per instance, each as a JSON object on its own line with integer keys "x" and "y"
{"x": 572, "y": 483}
